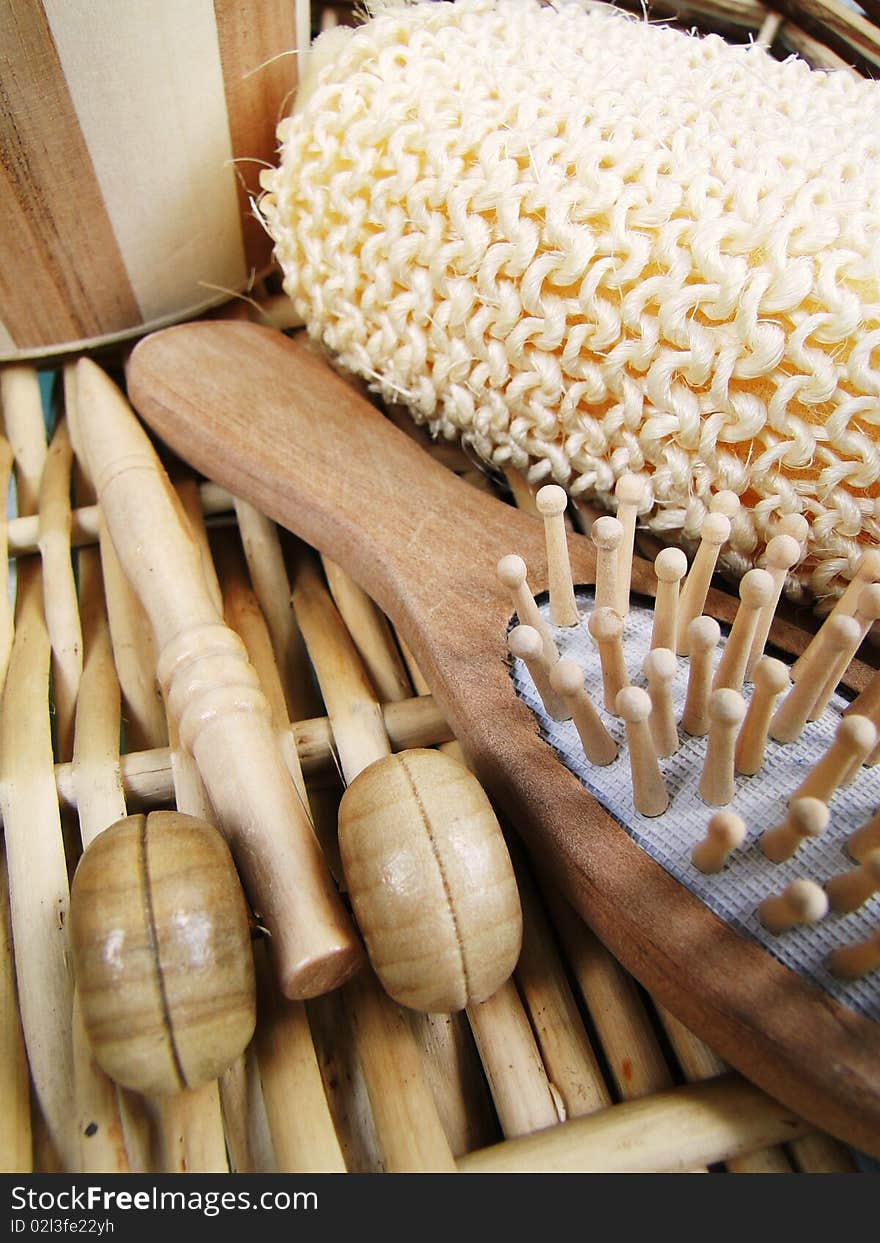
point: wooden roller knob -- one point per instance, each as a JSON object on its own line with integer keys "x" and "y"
{"x": 162, "y": 953}
{"x": 430, "y": 881}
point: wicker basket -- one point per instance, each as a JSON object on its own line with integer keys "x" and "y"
{"x": 572, "y": 1043}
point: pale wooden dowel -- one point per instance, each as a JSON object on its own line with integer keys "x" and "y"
{"x": 867, "y": 612}
{"x": 782, "y": 555}
{"x": 867, "y": 572}
{"x": 59, "y": 589}
{"x": 801, "y": 902}
{"x": 37, "y": 868}
{"x": 265, "y": 559}
{"x": 714, "y": 533}
{"x": 303, "y": 1137}
{"x": 567, "y": 681}
{"x": 571, "y": 1064}
{"x": 213, "y": 692}
{"x": 616, "y": 1010}
{"x": 189, "y": 1137}
{"x": 25, "y": 430}
{"x": 675, "y": 1130}
{"x": 717, "y": 782}
{"x": 6, "y": 626}
{"x": 134, "y": 654}
{"x": 703, "y": 637}
{"x": 146, "y": 775}
{"x": 790, "y": 717}
{"x": 354, "y": 714}
{"x": 98, "y": 1121}
{"x": 849, "y": 890}
{"x": 407, "y": 1123}
{"x": 670, "y": 567}
{"x": 769, "y": 29}
{"x": 629, "y": 492}
{"x": 23, "y": 532}
{"x": 514, "y": 1070}
{"x": 371, "y": 633}
{"x": 100, "y": 803}
{"x": 511, "y": 572}
{"x": 15, "y": 1116}
{"x": 865, "y": 839}
{"x": 854, "y": 738}
{"x": 725, "y": 833}
{"x": 755, "y": 593}
{"x": 650, "y": 797}
{"x": 806, "y": 817}
{"x": 606, "y": 630}
{"x": 551, "y": 502}
{"x": 771, "y": 679}
{"x": 243, "y": 614}
{"x": 236, "y": 1107}
{"x": 345, "y": 1082}
{"x": 699, "y": 1062}
{"x": 521, "y": 490}
{"x": 525, "y": 644}
{"x": 660, "y": 668}
{"x": 607, "y": 534}
{"x": 851, "y": 962}
{"x": 454, "y": 1073}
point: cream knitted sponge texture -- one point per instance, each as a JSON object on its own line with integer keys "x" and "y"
{"x": 588, "y": 245}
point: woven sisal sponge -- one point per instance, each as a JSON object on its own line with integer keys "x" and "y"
{"x": 587, "y": 245}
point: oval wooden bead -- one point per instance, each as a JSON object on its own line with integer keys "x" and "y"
{"x": 430, "y": 881}
{"x": 162, "y": 952}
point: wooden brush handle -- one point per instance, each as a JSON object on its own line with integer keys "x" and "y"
{"x": 213, "y": 693}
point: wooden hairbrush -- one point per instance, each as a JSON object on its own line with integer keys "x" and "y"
{"x": 265, "y": 417}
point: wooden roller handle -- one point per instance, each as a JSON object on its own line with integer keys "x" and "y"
{"x": 213, "y": 693}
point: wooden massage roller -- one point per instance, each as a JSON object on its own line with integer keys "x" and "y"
{"x": 590, "y": 246}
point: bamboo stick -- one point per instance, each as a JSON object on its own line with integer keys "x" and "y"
{"x": 6, "y": 626}
{"x": 59, "y": 589}
{"x": 100, "y": 803}
{"x": 699, "y": 1063}
{"x": 262, "y": 550}
{"x": 510, "y": 1056}
{"x": 146, "y": 775}
{"x": 303, "y": 1136}
{"x": 37, "y": 868}
{"x": 454, "y": 1073}
{"x": 371, "y": 633}
{"x": 15, "y": 1116}
{"x": 670, "y": 1131}
{"x": 407, "y": 1123}
{"x": 345, "y": 1083}
{"x": 572, "y": 1066}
